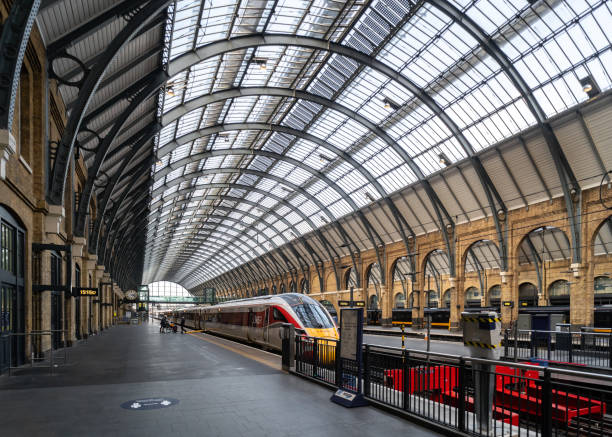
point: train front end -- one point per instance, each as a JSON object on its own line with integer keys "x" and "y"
{"x": 315, "y": 323}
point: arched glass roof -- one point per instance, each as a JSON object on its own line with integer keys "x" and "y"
{"x": 282, "y": 117}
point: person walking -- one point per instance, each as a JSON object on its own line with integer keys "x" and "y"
{"x": 183, "y": 325}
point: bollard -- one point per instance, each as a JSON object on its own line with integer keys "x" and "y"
{"x": 287, "y": 333}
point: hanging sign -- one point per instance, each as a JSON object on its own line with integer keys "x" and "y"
{"x": 78, "y": 291}
{"x": 347, "y": 303}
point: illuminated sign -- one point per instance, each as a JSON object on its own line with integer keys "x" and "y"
{"x": 356, "y": 303}
{"x": 78, "y": 291}
{"x": 508, "y": 303}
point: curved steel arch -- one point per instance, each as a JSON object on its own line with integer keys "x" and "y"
{"x": 262, "y": 273}
{"x": 343, "y": 234}
{"x": 288, "y": 262}
{"x": 279, "y": 199}
{"x": 103, "y": 147}
{"x": 90, "y": 83}
{"x": 256, "y": 40}
{"x": 139, "y": 140}
{"x": 111, "y": 223}
{"x": 223, "y": 152}
{"x": 115, "y": 210}
{"x": 401, "y": 222}
{"x": 564, "y": 170}
{"x": 255, "y": 218}
{"x": 225, "y": 257}
{"x": 260, "y": 219}
{"x": 14, "y": 40}
{"x": 278, "y": 157}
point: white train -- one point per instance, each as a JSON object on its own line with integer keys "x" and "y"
{"x": 258, "y": 319}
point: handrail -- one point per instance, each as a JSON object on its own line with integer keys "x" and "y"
{"x": 33, "y": 359}
{"x": 567, "y": 372}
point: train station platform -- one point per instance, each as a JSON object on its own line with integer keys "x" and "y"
{"x": 132, "y": 380}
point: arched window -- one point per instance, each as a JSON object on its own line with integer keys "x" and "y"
{"x": 292, "y": 288}
{"x": 305, "y": 286}
{"x": 283, "y": 289}
{"x": 373, "y": 304}
{"x": 528, "y": 294}
{"x": 558, "y": 288}
{"x": 433, "y": 298}
{"x": 399, "y": 301}
{"x": 495, "y": 295}
{"x": 274, "y": 290}
{"x": 603, "y": 290}
{"x": 446, "y": 299}
{"x": 603, "y": 285}
{"x": 472, "y": 297}
{"x": 559, "y": 292}
{"x": 350, "y": 279}
{"x": 411, "y": 300}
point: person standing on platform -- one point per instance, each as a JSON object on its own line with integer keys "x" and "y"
{"x": 182, "y": 325}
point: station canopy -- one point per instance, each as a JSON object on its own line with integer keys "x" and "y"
{"x": 293, "y": 132}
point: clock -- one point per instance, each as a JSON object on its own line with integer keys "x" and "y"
{"x": 131, "y": 295}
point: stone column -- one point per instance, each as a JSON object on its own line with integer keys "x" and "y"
{"x": 582, "y": 300}
{"x": 509, "y": 292}
{"x": 455, "y": 304}
{"x": 418, "y": 309}
{"x": 99, "y": 274}
{"x": 77, "y": 258}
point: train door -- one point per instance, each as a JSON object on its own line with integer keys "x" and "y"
{"x": 266, "y": 326}
{"x": 251, "y": 325}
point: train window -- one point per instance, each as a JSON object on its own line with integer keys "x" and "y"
{"x": 279, "y": 316}
{"x": 312, "y": 316}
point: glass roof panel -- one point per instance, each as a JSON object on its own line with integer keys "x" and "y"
{"x": 552, "y": 45}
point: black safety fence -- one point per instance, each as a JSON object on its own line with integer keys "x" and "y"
{"x": 589, "y": 349}
{"x": 468, "y": 395}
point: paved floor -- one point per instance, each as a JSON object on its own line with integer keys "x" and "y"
{"x": 222, "y": 389}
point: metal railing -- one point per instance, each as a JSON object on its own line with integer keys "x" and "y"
{"x": 589, "y": 349}
{"x": 440, "y": 389}
{"x": 38, "y": 358}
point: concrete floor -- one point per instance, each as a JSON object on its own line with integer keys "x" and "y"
{"x": 222, "y": 389}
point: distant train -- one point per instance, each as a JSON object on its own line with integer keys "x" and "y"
{"x": 259, "y": 319}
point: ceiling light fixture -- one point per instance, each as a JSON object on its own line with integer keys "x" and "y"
{"x": 369, "y": 197}
{"x": 444, "y": 159}
{"x": 390, "y": 104}
{"x": 324, "y": 158}
{"x": 589, "y": 86}
{"x": 261, "y": 63}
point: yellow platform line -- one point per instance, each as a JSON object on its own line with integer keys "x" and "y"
{"x": 235, "y": 347}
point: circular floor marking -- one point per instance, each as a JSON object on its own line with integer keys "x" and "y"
{"x": 149, "y": 403}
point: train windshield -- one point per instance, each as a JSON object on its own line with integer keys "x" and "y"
{"x": 312, "y": 316}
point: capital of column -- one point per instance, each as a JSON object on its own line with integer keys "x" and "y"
{"x": 505, "y": 276}
{"x": 78, "y": 244}
{"x": 8, "y": 146}
{"x": 54, "y": 218}
{"x": 576, "y": 268}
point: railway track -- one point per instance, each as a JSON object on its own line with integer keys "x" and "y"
{"x": 582, "y": 426}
